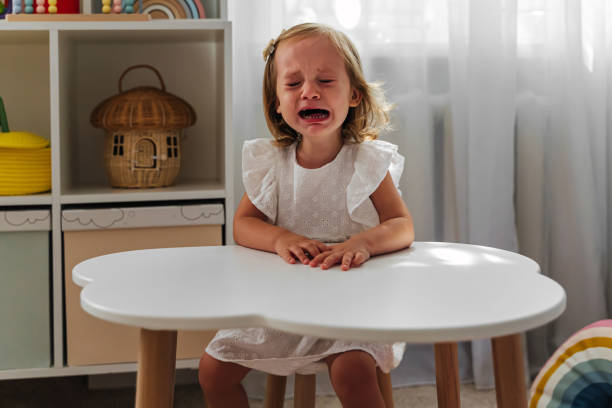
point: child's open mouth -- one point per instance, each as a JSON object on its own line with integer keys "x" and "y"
{"x": 314, "y": 114}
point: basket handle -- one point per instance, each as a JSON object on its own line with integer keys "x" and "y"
{"x": 163, "y": 86}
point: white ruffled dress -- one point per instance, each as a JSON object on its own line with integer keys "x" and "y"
{"x": 329, "y": 204}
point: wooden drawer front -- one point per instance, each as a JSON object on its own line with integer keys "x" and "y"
{"x": 25, "y": 315}
{"x": 94, "y": 341}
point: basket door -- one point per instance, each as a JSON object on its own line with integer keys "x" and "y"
{"x": 145, "y": 154}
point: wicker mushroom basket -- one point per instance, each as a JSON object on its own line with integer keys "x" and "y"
{"x": 143, "y": 134}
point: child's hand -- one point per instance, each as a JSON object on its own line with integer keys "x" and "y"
{"x": 349, "y": 254}
{"x": 291, "y": 246}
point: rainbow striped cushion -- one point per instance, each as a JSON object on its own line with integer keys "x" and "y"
{"x": 579, "y": 373}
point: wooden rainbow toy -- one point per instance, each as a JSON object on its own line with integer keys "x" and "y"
{"x": 579, "y": 373}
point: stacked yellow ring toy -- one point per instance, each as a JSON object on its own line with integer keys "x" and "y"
{"x": 25, "y": 161}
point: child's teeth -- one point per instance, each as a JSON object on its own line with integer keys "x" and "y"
{"x": 317, "y": 115}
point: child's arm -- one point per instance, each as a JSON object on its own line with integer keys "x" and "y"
{"x": 395, "y": 232}
{"x": 252, "y": 230}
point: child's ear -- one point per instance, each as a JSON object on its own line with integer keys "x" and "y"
{"x": 278, "y": 110}
{"x": 355, "y": 98}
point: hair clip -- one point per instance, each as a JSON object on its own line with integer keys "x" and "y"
{"x": 269, "y": 49}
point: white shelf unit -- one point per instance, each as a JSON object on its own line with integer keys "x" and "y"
{"x": 185, "y": 190}
{"x": 55, "y": 73}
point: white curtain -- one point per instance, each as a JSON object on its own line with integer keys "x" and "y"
{"x": 563, "y": 184}
{"x": 503, "y": 114}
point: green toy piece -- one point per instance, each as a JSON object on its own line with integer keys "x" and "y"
{"x": 4, "y": 126}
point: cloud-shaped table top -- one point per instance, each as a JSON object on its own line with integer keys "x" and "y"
{"x": 431, "y": 292}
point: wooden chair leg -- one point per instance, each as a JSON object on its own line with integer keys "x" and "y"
{"x": 384, "y": 383}
{"x": 304, "y": 391}
{"x": 447, "y": 375}
{"x": 275, "y": 391}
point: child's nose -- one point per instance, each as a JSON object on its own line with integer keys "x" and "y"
{"x": 311, "y": 90}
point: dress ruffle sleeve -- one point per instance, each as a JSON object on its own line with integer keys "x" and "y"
{"x": 373, "y": 160}
{"x": 259, "y": 175}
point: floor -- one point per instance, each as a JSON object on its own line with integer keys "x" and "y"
{"x": 68, "y": 392}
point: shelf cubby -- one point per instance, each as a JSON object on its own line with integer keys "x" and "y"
{"x": 191, "y": 64}
{"x": 24, "y": 69}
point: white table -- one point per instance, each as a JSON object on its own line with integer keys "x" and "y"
{"x": 431, "y": 293}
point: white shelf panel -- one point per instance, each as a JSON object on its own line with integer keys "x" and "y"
{"x": 186, "y": 24}
{"x": 84, "y": 370}
{"x": 105, "y": 194}
{"x": 34, "y": 199}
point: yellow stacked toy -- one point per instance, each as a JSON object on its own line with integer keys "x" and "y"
{"x": 25, "y": 161}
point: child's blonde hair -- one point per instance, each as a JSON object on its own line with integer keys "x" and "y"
{"x": 363, "y": 122}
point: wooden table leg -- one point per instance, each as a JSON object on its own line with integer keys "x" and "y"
{"x": 275, "y": 391}
{"x": 510, "y": 386}
{"x": 156, "y": 366}
{"x": 447, "y": 375}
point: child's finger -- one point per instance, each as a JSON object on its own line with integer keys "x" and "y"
{"x": 299, "y": 254}
{"x": 319, "y": 258}
{"x": 322, "y": 247}
{"x": 286, "y": 255}
{"x": 359, "y": 258}
{"x": 331, "y": 260}
{"x": 346, "y": 261}
{"x": 312, "y": 249}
